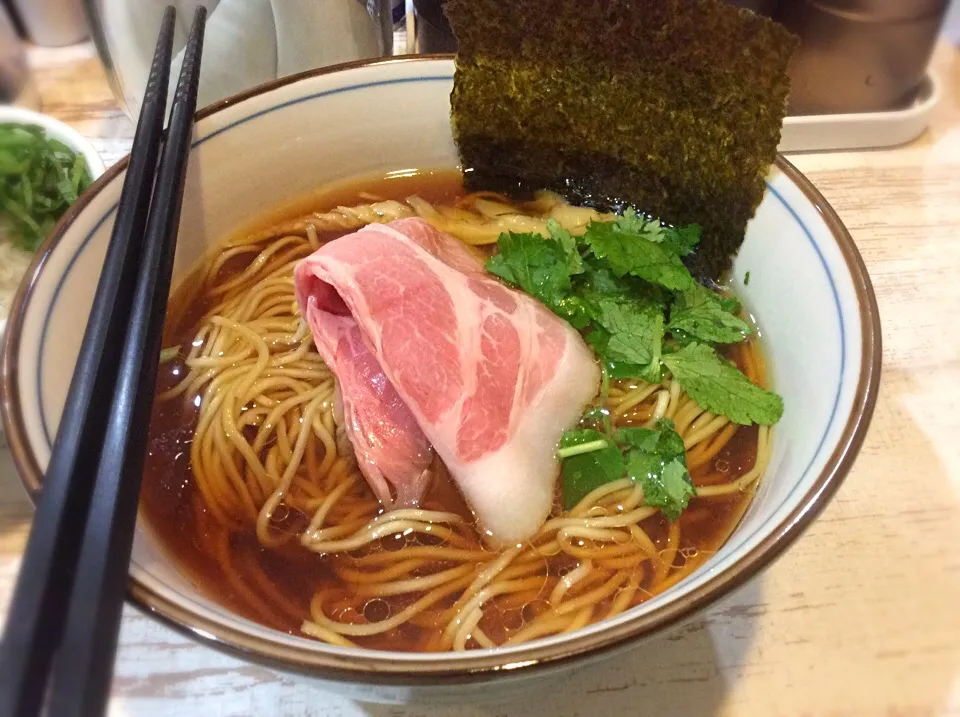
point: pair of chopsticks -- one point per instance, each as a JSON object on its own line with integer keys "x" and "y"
{"x": 57, "y": 653}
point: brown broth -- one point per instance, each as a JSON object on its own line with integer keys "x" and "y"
{"x": 274, "y": 586}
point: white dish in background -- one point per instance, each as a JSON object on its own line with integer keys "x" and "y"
{"x": 809, "y": 290}
{"x": 812, "y": 133}
{"x": 70, "y": 137}
{"x": 58, "y": 131}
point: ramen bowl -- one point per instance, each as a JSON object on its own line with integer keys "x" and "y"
{"x": 807, "y": 285}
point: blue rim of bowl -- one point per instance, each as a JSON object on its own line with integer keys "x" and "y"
{"x": 376, "y": 668}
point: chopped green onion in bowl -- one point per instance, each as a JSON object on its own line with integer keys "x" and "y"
{"x": 44, "y": 166}
{"x": 40, "y": 177}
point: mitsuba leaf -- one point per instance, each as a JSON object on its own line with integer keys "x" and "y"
{"x": 683, "y": 240}
{"x": 719, "y": 387}
{"x": 700, "y": 314}
{"x": 635, "y": 327}
{"x": 598, "y": 281}
{"x": 535, "y": 264}
{"x": 582, "y": 474}
{"x": 632, "y": 253}
{"x": 569, "y": 244}
{"x": 657, "y": 461}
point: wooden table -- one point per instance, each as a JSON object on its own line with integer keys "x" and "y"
{"x": 861, "y": 617}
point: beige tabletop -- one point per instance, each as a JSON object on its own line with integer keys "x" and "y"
{"x": 862, "y": 615}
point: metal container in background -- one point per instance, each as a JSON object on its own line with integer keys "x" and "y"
{"x": 434, "y": 34}
{"x": 433, "y": 30}
{"x": 951, "y": 26}
{"x": 16, "y": 86}
{"x": 247, "y": 42}
{"x": 52, "y": 23}
{"x": 860, "y": 55}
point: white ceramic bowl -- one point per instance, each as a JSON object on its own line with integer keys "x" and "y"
{"x": 808, "y": 288}
{"x": 63, "y": 133}
{"x": 58, "y": 131}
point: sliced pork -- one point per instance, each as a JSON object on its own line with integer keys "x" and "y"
{"x": 390, "y": 448}
{"x": 491, "y": 376}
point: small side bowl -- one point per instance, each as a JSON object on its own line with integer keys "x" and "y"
{"x": 57, "y": 130}
{"x": 63, "y": 133}
{"x": 808, "y": 287}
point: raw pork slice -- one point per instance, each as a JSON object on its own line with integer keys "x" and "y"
{"x": 491, "y": 376}
{"x": 389, "y": 445}
{"x": 390, "y": 448}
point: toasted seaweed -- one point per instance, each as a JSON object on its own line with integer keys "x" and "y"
{"x": 671, "y": 106}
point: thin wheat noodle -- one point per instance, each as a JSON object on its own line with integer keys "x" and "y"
{"x": 708, "y": 431}
{"x": 702, "y": 454}
{"x": 377, "y": 628}
{"x": 623, "y": 598}
{"x": 666, "y": 556}
{"x": 326, "y": 635}
{"x": 746, "y": 480}
{"x": 404, "y": 567}
{"x": 472, "y": 609}
{"x": 266, "y": 437}
{"x": 569, "y": 580}
{"x": 581, "y": 619}
{"x": 541, "y": 627}
{"x": 643, "y": 540}
{"x": 674, "y": 399}
{"x": 634, "y": 398}
{"x": 659, "y": 409}
{"x": 402, "y": 587}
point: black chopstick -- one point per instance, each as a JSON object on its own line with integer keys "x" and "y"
{"x": 60, "y": 639}
{"x": 84, "y": 666}
{"x": 40, "y": 598}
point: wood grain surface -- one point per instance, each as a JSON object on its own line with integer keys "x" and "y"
{"x": 860, "y": 618}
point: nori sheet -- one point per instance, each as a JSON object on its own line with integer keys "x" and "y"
{"x": 670, "y": 106}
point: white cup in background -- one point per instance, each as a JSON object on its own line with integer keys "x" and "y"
{"x": 52, "y": 23}
{"x": 247, "y": 42}
{"x": 16, "y": 86}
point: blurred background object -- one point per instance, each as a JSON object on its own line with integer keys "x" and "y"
{"x": 860, "y": 55}
{"x": 951, "y": 26}
{"x": 433, "y": 30}
{"x": 248, "y": 42}
{"x": 857, "y": 56}
{"x": 52, "y": 23}
{"x": 764, "y": 7}
{"x": 434, "y": 34}
{"x": 16, "y": 86}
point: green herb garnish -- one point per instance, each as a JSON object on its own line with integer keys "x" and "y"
{"x": 718, "y": 386}
{"x": 654, "y": 458}
{"x": 39, "y": 179}
{"x": 706, "y": 316}
{"x": 590, "y": 460}
{"x": 628, "y": 336}
{"x": 605, "y": 284}
{"x": 542, "y": 267}
{"x": 639, "y": 253}
{"x": 622, "y": 284}
{"x": 657, "y": 460}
